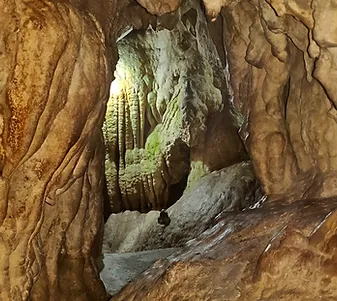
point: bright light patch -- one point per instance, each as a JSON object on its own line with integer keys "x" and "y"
{"x": 115, "y": 87}
{"x": 122, "y": 78}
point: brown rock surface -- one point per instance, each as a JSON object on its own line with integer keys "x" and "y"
{"x": 281, "y": 71}
{"x": 160, "y": 7}
{"x": 277, "y": 252}
{"x": 54, "y": 74}
{"x": 281, "y": 67}
{"x": 54, "y": 78}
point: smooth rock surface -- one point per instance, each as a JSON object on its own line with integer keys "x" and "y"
{"x": 279, "y": 252}
{"x": 230, "y": 189}
{"x": 120, "y": 269}
{"x": 121, "y": 231}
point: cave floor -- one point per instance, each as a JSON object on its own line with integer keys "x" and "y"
{"x": 122, "y": 268}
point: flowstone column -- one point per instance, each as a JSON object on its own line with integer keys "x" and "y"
{"x": 53, "y": 76}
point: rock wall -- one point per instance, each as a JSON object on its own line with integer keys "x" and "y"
{"x": 54, "y": 76}
{"x": 167, "y": 118}
{"x": 281, "y": 69}
{"x": 281, "y": 66}
{"x": 160, "y": 7}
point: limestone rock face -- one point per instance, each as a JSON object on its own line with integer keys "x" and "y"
{"x": 52, "y": 108}
{"x": 282, "y": 71}
{"x": 230, "y": 189}
{"x": 122, "y": 230}
{"x": 277, "y": 252}
{"x": 167, "y": 122}
{"x": 160, "y": 7}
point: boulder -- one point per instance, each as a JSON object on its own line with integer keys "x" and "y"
{"x": 233, "y": 188}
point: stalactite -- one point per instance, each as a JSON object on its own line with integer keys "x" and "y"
{"x": 166, "y": 102}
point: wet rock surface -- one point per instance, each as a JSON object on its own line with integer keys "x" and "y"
{"x": 277, "y": 252}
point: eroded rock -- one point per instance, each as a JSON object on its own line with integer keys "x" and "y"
{"x": 281, "y": 67}
{"x": 54, "y": 76}
{"x": 160, "y": 7}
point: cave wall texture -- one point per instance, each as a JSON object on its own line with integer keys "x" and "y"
{"x": 54, "y": 81}
{"x": 167, "y": 118}
{"x": 277, "y": 57}
{"x": 281, "y": 57}
{"x": 281, "y": 70}
{"x": 56, "y": 63}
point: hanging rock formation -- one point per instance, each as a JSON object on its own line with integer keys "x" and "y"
{"x": 167, "y": 118}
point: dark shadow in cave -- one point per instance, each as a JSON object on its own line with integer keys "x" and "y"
{"x": 176, "y": 191}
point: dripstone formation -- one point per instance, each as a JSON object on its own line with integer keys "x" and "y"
{"x": 199, "y": 73}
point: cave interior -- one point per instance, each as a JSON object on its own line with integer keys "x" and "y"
{"x": 168, "y": 150}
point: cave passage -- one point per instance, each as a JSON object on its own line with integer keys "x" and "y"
{"x": 184, "y": 85}
{"x": 168, "y": 125}
{"x": 168, "y": 120}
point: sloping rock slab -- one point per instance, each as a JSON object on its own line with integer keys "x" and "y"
{"x": 278, "y": 252}
{"x": 230, "y": 189}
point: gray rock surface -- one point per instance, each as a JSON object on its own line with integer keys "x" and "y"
{"x": 229, "y": 189}
{"x": 122, "y": 230}
{"x": 120, "y": 269}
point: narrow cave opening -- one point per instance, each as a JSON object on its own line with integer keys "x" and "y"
{"x": 167, "y": 125}
{"x": 147, "y": 162}
{"x": 176, "y": 191}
